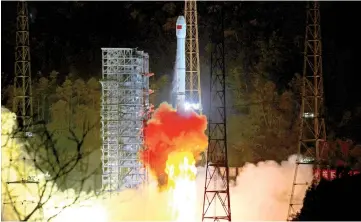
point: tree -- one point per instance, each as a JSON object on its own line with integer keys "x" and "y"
{"x": 44, "y": 167}
{"x": 76, "y": 105}
{"x": 264, "y": 118}
{"x": 6, "y": 91}
{"x": 332, "y": 200}
{"x": 342, "y": 153}
{"x": 160, "y": 86}
{"x": 264, "y": 124}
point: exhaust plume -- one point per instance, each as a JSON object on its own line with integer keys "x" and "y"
{"x": 171, "y": 131}
{"x": 261, "y": 191}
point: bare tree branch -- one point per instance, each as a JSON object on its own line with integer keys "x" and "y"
{"x": 47, "y": 159}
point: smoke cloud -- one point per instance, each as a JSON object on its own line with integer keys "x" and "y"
{"x": 261, "y": 192}
{"x": 170, "y": 131}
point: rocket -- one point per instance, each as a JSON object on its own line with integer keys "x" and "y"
{"x": 180, "y": 69}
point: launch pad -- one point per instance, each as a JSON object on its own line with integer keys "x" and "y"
{"x": 125, "y": 109}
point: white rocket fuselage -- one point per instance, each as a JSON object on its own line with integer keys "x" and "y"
{"x": 180, "y": 62}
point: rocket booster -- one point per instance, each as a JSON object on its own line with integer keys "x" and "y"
{"x": 180, "y": 62}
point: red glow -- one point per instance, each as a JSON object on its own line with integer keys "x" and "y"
{"x": 170, "y": 131}
{"x": 330, "y": 174}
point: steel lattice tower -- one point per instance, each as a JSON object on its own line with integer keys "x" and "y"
{"x": 193, "y": 78}
{"x": 125, "y": 80}
{"x": 312, "y": 132}
{"x": 148, "y": 107}
{"x": 23, "y": 109}
{"x": 216, "y": 203}
{"x": 23, "y": 104}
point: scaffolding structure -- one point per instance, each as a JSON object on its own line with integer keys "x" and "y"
{"x": 313, "y": 130}
{"x": 124, "y": 110}
{"x": 193, "y": 77}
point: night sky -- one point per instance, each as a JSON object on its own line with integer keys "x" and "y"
{"x": 67, "y": 36}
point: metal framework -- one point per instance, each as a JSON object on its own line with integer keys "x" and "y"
{"x": 23, "y": 104}
{"x": 193, "y": 78}
{"x": 216, "y": 203}
{"x": 23, "y": 108}
{"x": 125, "y": 98}
{"x": 312, "y": 132}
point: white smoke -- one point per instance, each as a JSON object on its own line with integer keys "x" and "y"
{"x": 261, "y": 192}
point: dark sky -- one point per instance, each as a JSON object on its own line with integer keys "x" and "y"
{"x": 341, "y": 50}
{"x": 67, "y": 36}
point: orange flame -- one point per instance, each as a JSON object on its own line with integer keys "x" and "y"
{"x": 170, "y": 131}
{"x": 174, "y": 141}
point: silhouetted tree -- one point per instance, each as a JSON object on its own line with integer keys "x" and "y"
{"x": 337, "y": 200}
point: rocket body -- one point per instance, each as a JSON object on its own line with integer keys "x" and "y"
{"x": 180, "y": 71}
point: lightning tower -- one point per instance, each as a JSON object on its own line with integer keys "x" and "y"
{"x": 216, "y": 203}
{"x": 23, "y": 104}
{"x": 124, "y": 107}
{"x": 193, "y": 78}
{"x": 23, "y": 108}
{"x": 313, "y": 132}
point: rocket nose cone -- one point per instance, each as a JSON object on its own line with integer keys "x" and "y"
{"x": 181, "y": 27}
{"x": 181, "y": 20}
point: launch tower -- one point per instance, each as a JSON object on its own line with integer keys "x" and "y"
{"x": 313, "y": 132}
{"x": 193, "y": 95}
{"x": 124, "y": 107}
